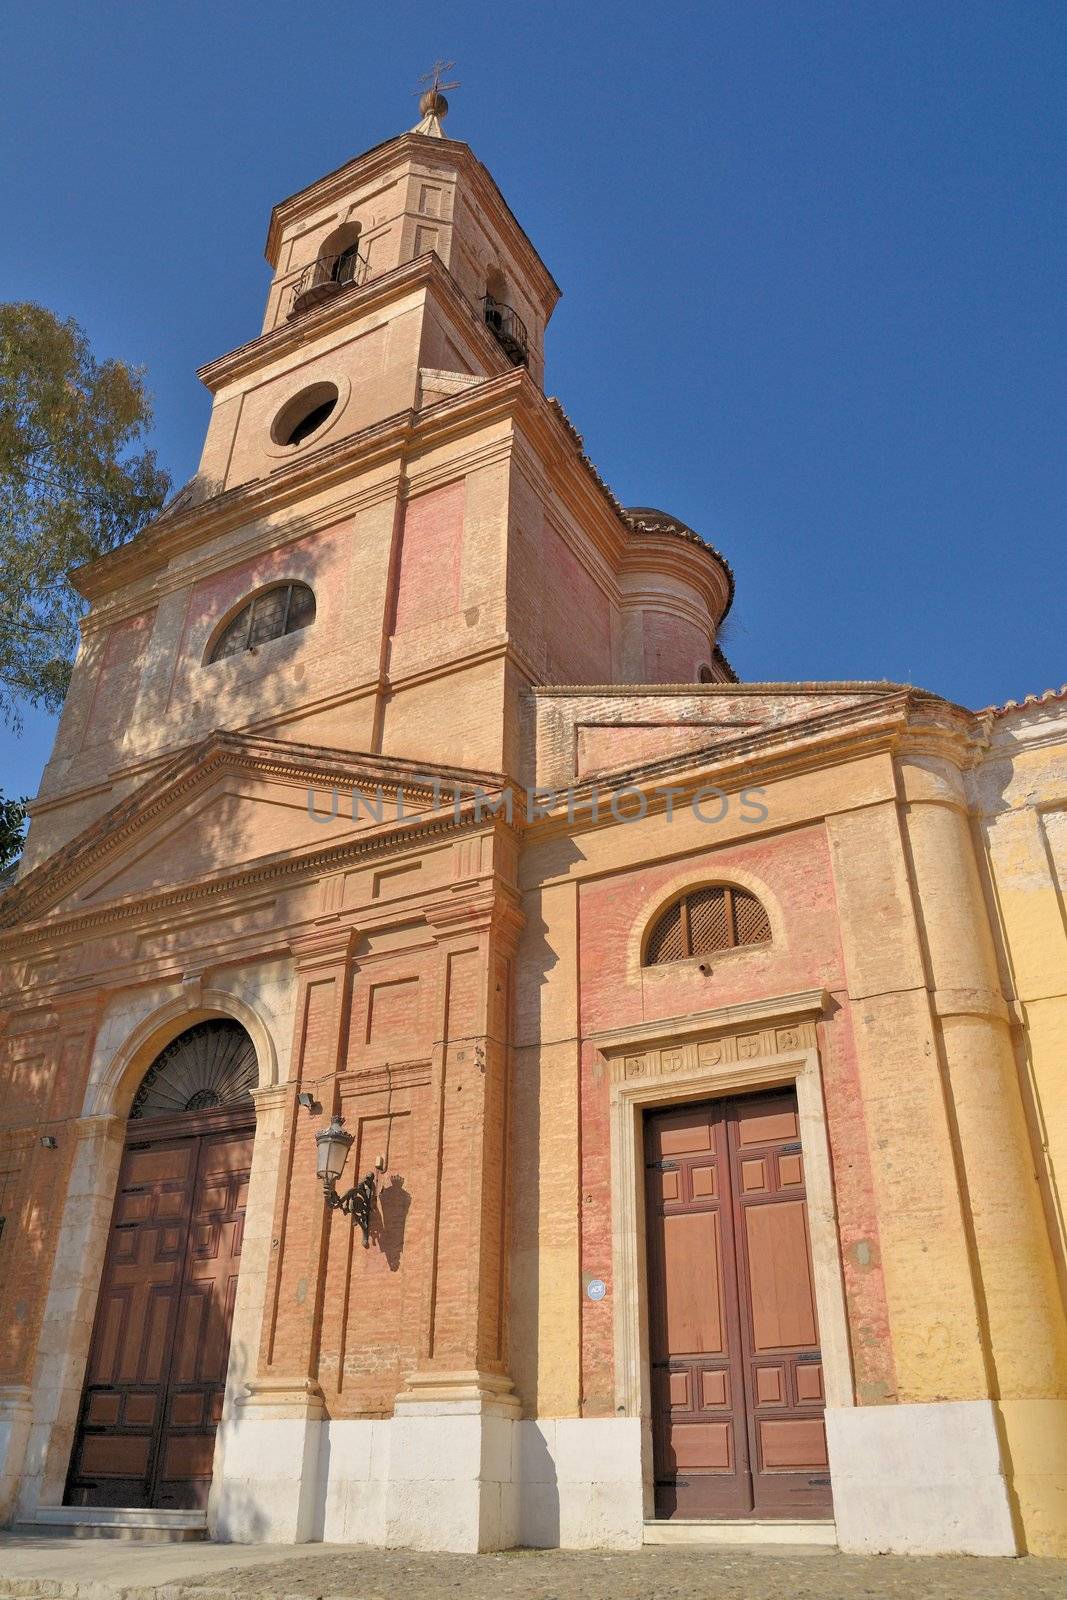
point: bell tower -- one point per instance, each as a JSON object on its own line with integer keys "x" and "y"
{"x": 393, "y": 533}
{"x": 403, "y": 264}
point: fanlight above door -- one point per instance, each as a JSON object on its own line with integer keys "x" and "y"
{"x": 209, "y": 1065}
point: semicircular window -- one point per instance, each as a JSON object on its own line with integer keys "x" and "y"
{"x": 705, "y": 921}
{"x": 210, "y": 1065}
{"x": 285, "y": 608}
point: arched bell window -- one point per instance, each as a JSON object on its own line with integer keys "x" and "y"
{"x": 705, "y": 921}
{"x": 284, "y": 608}
{"x": 210, "y": 1065}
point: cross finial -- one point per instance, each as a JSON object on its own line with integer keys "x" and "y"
{"x": 432, "y": 79}
{"x": 432, "y": 103}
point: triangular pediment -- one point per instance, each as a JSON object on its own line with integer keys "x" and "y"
{"x": 233, "y": 803}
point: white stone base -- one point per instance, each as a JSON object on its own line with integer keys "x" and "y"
{"x": 16, "y": 1415}
{"x": 920, "y": 1479}
{"x": 459, "y": 1477}
{"x": 354, "y": 1479}
{"x": 268, "y": 1488}
{"x": 581, "y": 1483}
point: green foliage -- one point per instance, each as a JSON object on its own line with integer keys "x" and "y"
{"x": 75, "y": 482}
{"x": 12, "y": 828}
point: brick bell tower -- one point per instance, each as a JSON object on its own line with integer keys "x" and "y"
{"x": 386, "y": 443}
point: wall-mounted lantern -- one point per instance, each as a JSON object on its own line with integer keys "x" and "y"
{"x": 331, "y": 1152}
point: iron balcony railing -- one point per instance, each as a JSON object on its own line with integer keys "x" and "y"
{"x": 327, "y": 277}
{"x": 509, "y": 330}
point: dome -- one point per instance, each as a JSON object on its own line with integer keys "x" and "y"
{"x": 649, "y": 519}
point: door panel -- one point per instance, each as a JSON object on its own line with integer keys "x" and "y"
{"x": 737, "y": 1386}
{"x": 158, "y": 1355}
{"x": 776, "y": 1242}
{"x": 698, "y": 1416}
{"x": 693, "y": 1270}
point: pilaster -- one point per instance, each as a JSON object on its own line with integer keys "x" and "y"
{"x": 276, "y": 1460}
{"x": 1021, "y": 1310}
{"x": 70, "y": 1309}
{"x": 452, "y": 1479}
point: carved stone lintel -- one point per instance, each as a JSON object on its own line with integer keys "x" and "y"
{"x": 695, "y": 1055}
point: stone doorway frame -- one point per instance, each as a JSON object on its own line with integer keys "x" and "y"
{"x": 81, "y": 1244}
{"x": 733, "y": 1050}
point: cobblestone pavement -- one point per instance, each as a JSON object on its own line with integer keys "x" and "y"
{"x": 689, "y": 1574}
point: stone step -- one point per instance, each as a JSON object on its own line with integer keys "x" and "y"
{"x": 116, "y": 1522}
{"x": 791, "y": 1531}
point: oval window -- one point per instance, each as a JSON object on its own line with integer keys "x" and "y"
{"x": 304, "y": 414}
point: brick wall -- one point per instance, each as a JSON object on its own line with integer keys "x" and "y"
{"x": 118, "y": 679}
{"x": 805, "y": 954}
{"x": 431, "y": 557}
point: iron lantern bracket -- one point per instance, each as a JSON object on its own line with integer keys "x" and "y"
{"x": 357, "y": 1203}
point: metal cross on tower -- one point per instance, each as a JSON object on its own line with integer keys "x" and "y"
{"x": 432, "y": 79}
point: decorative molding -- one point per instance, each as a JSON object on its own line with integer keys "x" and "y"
{"x": 493, "y": 908}
{"x": 330, "y": 946}
{"x": 379, "y": 1080}
{"x": 975, "y": 1003}
{"x": 110, "y": 1090}
{"x": 104, "y": 1126}
{"x": 285, "y": 1397}
{"x": 754, "y": 1019}
{"x": 876, "y": 686}
{"x": 725, "y": 1051}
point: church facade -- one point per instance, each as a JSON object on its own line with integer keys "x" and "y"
{"x": 474, "y": 1073}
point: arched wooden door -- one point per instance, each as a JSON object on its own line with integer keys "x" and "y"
{"x": 160, "y": 1346}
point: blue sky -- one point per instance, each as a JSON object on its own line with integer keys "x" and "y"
{"x": 811, "y": 255}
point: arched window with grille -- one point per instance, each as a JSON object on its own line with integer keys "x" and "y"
{"x": 284, "y": 608}
{"x": 706, "y": 921}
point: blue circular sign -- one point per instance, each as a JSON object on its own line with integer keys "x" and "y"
{"x": 596, "y": 1288}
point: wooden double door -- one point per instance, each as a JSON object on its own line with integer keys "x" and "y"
{"x": 737, "y": 1384}
{"x": 160, "y": 1344}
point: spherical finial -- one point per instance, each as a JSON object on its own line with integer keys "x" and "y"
{"x": 433, "y": 104}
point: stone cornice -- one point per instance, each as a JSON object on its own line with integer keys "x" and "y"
{"x": 274, "y": 870}
{"x": 805, "y": 1003}
{"x": 314, "y": 948}
{"x": 495, "y": 908}
{"x": 394, "y": 437}
{"x": 832, "y": 686}
{"x": 399, "y": 281}
{"x": 512, "y": 393}
{"x": 601, "y": 515}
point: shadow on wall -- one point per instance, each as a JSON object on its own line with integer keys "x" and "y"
{"x": 539, "y": 1518}
{"x": 390, "y": 1220}
{"x": 234, "y": 1514}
